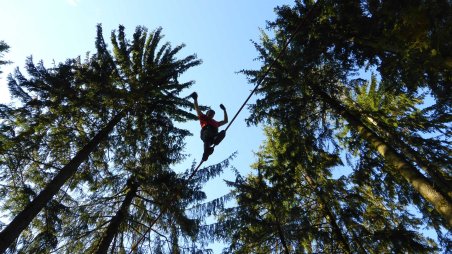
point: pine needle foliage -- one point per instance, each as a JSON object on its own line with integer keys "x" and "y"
{"x": 311, "y": 90}
{"x": 91, "y": 120}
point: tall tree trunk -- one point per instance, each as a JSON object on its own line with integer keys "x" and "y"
{"x": 419, "y": 182}
{"x": 24, "y": 218}
{"x": 440, "y": 179}
{"x": 120, "y": 216}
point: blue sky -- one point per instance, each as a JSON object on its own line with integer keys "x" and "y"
{"x": 219, "y": 32}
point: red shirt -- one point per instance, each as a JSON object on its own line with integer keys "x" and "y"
{"x": 206, "y": 121}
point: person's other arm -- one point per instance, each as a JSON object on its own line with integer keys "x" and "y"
{"x": 225, "y": 116}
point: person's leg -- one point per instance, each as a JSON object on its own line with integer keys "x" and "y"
{"x": 219, "y": 137}
{"x": 207, "y": 137}
{"x": 208, "y": 150}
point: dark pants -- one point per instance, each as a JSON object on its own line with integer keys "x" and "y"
{"x": 210, "y": 137}
{"x": 208, "y": 134}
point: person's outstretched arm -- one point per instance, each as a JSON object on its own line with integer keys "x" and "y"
{"x": 225, "y": 116}
{"x": 194, "y": 95}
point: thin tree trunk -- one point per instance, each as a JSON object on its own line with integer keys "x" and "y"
{"x": 330, "y": 216}
{"x": 116, "y": 221}
{"x": 282, "y": 238}
{"x": 280, "y": 230}
{"x": 410, "y": 173}
{"x": 135, "y": 245}
{"x": 174, "y": 239}
{"x": 24, "y": 218}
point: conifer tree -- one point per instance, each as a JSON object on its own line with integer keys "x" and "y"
{"x": 293, "y": 197}
{"x": 3, "y": 49}
{"x": 397, "y": 118}
{"x": 151, "y": 184}
{"x": 126, "y": 89}
{"x": 309, "y": 74}
{"x": 158, "y": 198}
{"x": 406, "y": 41}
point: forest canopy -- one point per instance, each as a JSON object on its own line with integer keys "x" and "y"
{"x": 90, "y": 149}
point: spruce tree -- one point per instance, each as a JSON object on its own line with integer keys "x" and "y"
{"x": 293, "y": 203}
{"x": 406, "y": 41}
{"x": 310, "y": 74}
{"x": 398, "y": 119}
{"x": 3, "y": 49}
{"x": 126, "y": 89}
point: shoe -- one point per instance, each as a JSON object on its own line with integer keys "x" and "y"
{"x": 210, "y": 151}
{"x": 219, "y": 137}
